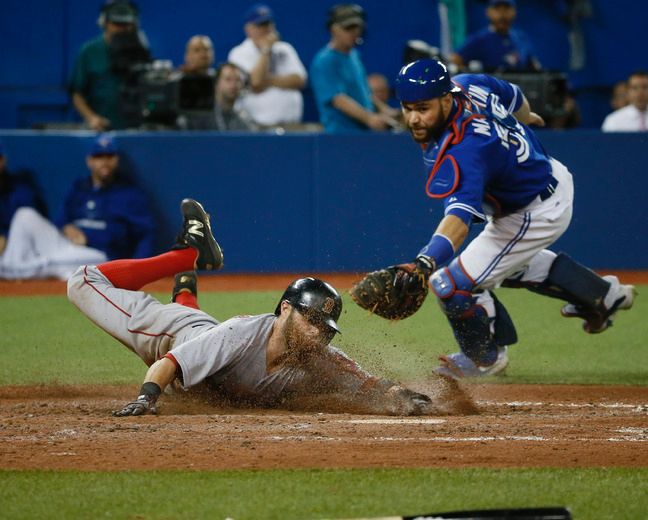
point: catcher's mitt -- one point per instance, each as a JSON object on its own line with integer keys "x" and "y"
{"x": 390, "y": 293}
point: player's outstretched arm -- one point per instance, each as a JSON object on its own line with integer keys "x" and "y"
{"x": 526, "y": 116}
{"x": 159, "y": 375}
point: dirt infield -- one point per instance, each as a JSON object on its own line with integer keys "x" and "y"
{"x": 517, "y": 426}
{"x": 70, "y": 427}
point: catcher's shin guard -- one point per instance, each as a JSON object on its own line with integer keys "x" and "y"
{"x": 480, "y": 322}
{"x": 574, "y": 283}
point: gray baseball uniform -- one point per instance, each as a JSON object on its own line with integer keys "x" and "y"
{"x": 229, "y": 356}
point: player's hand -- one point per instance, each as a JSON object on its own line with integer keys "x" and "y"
{"x": 404, "y": 401}
{"x": 535, "y": 119}
{"x": 141, "y": 406}
{"x": 75, "y": 235}
{"x": 414, "y": 275}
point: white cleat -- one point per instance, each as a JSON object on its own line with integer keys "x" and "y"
{"x": 459, "y": 366}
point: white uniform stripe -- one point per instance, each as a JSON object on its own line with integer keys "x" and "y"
{"x": 520, "y": 234}
{"x": 465, "y": 207}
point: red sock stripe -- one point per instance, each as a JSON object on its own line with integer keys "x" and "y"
{"x": 187, "y": 299}
{"x": 136, "y": 273}
{"x": 171, "y": 357}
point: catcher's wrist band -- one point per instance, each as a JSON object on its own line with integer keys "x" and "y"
{"x": 151, "y": 391}
{"x": 440, "y": 248}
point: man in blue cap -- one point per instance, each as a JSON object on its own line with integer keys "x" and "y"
{"x": 276, "y": 74}
{"x": 499, "y": 47}
{"x": 488, "y": 167}
{"x": 103, "y": 217}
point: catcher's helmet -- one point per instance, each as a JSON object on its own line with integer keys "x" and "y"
{"x": 423, "y": 79}
{"x": 318, "y": 301}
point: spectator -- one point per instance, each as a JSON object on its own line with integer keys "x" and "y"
{"x": 16, "y": 191}
{"x": 570, "y": 118}
{"x": 634, "y": 116}
{"x": 276, "y": 74}
{"x": 619, "y": 97}
{"x": 379, "y": 87}
{"x": 103, "y": 218}
{"x": 381, "y": 95}
{"x": 199, "y": 56}
{"x": 95, "y": 85}
{"x": 339, "y": 79}
{"x": 499, "y": 47}
{"x": 229, "y": 84}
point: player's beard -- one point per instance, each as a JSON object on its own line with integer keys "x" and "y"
{"x": 300, "y": 344}
{"x": 425, "y": 134}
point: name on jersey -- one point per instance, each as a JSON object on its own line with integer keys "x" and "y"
{"x": 506, "y": 136}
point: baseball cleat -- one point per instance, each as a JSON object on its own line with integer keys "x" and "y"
{"x": 187, "y": 280}
{"x": 458, "y": 365}
{"x": 197, "y": 233}
{"x": 599, "y": 320}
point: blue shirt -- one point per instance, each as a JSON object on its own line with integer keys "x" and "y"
{"x": 485, "y": 161}
{"x": 15, "y": 192}
{"x": 503, "y": 52}
{"x": 331, "y": 73}
{"x": 115, "y": 219}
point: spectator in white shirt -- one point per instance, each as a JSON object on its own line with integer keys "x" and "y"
{"x": 276, "y": 74}
{"x": 634, "y": 116}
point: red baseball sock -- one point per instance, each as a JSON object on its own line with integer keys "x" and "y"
{"x": 136, "y": 273}
{"x": 187, "y": 299}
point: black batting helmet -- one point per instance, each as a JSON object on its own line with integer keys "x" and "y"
{"x": 315, "y": 299}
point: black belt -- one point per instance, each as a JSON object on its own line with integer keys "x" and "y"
{"x": 549, "y": 189}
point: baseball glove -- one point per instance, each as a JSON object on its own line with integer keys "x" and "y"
{"x": 394, "y": 293}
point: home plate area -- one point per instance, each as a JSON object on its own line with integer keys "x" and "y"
{"x": 71, "y": 427}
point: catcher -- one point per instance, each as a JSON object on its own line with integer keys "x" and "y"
{"x": 268, "y": 360}
{"x": 487, "y": 165}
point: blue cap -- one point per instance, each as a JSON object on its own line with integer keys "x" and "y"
{"x": 423, "y": 79}
{"x": 258, "y": 14}
{"x": 497, "y": 2}
{"x": 104, "y": 144}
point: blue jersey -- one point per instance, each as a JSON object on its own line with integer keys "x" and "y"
{"x": 115, "y": 219}
{"x": 495, "y": 51}
{"x": 485, "y": 161}
{"x": 15, "y": 192}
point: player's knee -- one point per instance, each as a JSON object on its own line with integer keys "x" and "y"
{"x": 25, "y": 215}
{"x": 453, "y": 289}
{"x": 74, "y": 285}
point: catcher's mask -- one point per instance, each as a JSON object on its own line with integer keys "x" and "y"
{"x": 315, "y": 299}
{"x": 423, "y": 79}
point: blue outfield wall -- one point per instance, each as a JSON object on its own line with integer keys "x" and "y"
{"x": 313, "y": 202}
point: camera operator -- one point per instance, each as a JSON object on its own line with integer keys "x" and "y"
{"x": 95, "y": 85}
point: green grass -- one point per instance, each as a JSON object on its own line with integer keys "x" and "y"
{"x": 46, "y": 339}
{"x": 299, "y": 494}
